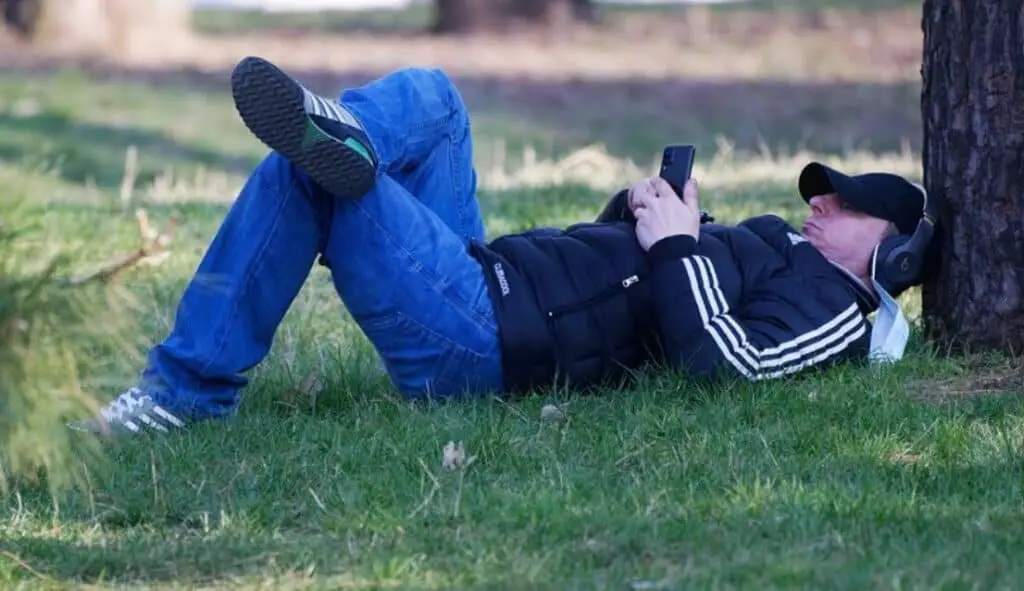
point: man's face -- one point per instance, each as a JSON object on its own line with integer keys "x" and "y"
{"x": 843, "y": 235}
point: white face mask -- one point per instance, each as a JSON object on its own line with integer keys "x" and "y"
{"x": 891, "y": 331}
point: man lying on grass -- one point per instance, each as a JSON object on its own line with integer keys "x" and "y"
{"x": 380, "y": 185}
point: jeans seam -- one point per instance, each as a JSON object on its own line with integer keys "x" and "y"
{"x": 455, "y": 352}
{"x": 460, "y": 205}
{"x": 441, "y": 122}
{"x": 457, "y": 357}
{"x": 456, "y": 136}
{"x": 254, "y": 269}
{"x": 464, "y": 308}
{"x": 409, "y": 321}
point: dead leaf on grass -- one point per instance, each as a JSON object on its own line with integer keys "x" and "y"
{"x": 551, "y": 413}
{"x": 311, "y": 386}
{"x": 308, "y": 390}
{"x": 455, "y": 456}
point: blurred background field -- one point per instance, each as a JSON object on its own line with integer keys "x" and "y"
{"x": 767, "y": 78}
{"x": 759, "y": 87}
{"x": 341, "y": 486}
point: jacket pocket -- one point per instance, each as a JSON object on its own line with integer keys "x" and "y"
{"x": 602, "y": 296}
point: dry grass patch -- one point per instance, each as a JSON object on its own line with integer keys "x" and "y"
{"x": 978, "y": 378}
{"x": 877, "y": 46}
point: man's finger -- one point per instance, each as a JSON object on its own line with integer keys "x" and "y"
{"x": 663, "y": 188}
{"x": 691, "y": 194}
{"x": 644, "y": 198}
{"x": 633, "y": 200}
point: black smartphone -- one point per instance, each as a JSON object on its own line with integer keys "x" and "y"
{"x": 677, "y": 165}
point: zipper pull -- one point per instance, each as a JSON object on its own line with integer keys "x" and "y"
{"x": 630, "y": 281}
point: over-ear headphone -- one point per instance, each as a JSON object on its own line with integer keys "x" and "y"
{"x": 899, "y": 261}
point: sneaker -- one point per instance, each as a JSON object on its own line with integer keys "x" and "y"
{"x": 316, "y": 134}
{"x": 133, "y": 412}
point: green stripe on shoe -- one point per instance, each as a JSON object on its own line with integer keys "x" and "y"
{"x": 359, "y": 148}
{"x": 313, "y": 135}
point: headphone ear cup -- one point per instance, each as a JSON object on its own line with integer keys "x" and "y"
{"x": 897, "y": 266}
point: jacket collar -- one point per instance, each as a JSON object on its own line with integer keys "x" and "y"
{"x": 866, "y": 298}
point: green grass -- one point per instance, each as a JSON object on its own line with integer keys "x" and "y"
{"x": 847, "y": 479}
{"x": 83, "y": 129}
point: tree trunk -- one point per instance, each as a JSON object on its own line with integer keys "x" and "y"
{"x": 73, "y": 25}
{"x": 471, "y": 16}
{"x": 20, "y": 16}
{"x": 552, "y": 12}
{"x": 584, "y": 10}
{"x": 464, "y": 16}
{"x": 973, "y": 113}
{"x": 123, "y": 27}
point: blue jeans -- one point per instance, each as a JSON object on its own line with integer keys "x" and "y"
{"x": 398, "y": 259}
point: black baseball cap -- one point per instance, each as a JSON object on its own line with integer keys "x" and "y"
{"x": 882, "y": 195}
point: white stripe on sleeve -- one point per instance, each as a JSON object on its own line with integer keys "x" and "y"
{"x": 807, "y": 349}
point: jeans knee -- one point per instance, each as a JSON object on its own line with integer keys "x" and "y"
{"x": 460, "y": 123}
{"x": 443, "y": 79}
{"x": 436, "y": 77}
{"x": 445, "y": 82}
{"x": 441, "y": 86}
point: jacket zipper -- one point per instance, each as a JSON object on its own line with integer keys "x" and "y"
{"x": 597, "y": 299}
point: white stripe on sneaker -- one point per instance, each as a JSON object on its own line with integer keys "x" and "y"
{"x": 322, "y": 107}
{"x": 168, "y": 417}
{"x": 146, "y": 419}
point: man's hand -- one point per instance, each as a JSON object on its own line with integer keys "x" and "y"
{"x": 660, "y": 212}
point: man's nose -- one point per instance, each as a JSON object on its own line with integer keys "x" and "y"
{"x": 819, "y": 206}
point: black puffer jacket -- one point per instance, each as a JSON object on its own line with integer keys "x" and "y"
{"x": 581, "y": 306}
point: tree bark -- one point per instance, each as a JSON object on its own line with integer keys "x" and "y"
{"x": 973, "y": 113}
{"x": 101, "y": 26}
{"x": 464, "y": 16}
{"x": 584, "y": 10}
{"x": 75, "y": 25}
{"x": 471, "y": 16}
{"x": 20, "y": 16}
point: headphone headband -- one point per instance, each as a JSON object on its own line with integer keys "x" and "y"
{"x": 903, "y": 257}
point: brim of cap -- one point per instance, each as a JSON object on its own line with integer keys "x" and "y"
{"x": 819, "y": 179}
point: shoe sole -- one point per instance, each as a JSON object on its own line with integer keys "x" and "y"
{"x": 272, "y": 106}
